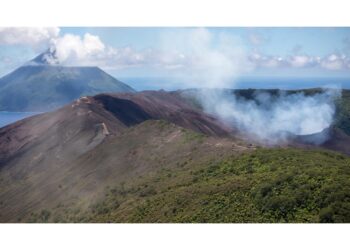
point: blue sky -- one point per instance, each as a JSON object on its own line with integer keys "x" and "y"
{"x": 169, "y": 52}
{"x": 278, "y": 41}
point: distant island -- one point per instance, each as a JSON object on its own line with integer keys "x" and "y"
{"x": 40, "y": 86}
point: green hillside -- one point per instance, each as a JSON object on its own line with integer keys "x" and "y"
{"x": 267, "y": 185}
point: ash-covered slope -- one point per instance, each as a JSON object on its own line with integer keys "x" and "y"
{"x": 42, "y": 85}
{"x": 169, "y": 106}
{"x": 61, "y": 150}
{"x": 108, "y": 114}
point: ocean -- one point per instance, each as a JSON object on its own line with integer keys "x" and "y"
{"x": 157, "y": 83}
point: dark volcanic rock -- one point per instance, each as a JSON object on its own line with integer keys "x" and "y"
{"x": 124, "y": 110}
{"x": 172, "y": 107}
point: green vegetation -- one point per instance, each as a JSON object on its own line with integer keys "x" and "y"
{"x": 193, "y": 136}
{"x": 43, "y": 216}
{"x": 267, "y": 185}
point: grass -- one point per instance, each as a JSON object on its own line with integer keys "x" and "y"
{"x": 267, "y": 185}
{"x": 193, "y": 136}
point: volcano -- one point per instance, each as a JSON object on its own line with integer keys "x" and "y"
{"x": 123, "y": 157}
{"x": 42, "y": 84}
{"x": 45, "y": 148}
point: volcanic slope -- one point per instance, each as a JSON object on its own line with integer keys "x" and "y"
{"x": 51, "y": 159}
{"x": 156, "y": 157}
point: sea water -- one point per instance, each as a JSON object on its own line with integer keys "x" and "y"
{"x": 287, "y": 83}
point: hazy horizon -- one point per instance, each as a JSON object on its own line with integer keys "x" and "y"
{"x": 267, "y": 82}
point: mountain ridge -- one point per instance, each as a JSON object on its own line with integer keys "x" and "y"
{"x": 61, "y": 166}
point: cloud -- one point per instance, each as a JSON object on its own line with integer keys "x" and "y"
{"x": 264, "y": 61}
{"x": 194, "y": 52}
{"x": 301, "y": 61}
{"x": 331, "y": 62}
{"x": 204, "y": 58}
{"x": 294, "y": 61}
{"x": 89, "y": 50}
{"x": 197, "y": 53}
{"x": 335, "y": 62}
{"x": 73, "y": 49}
{"x": 37, "y": 38}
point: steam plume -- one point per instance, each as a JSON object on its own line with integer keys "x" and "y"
{"x": 217, "y": 61}
{"x": 273, "y": 118}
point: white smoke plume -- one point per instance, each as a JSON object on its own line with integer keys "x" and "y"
{"x": 209, "y": 60}
{"x": 265, "y": 117}
{"x": 273, "y": 118}
{"x": 36, "y": 37}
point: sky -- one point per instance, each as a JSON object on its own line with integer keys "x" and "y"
{"x": 219, "y": 54}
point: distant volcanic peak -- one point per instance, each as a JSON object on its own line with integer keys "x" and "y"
{"x": 47, "y": 58}
{"x": 44, "y": 84}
